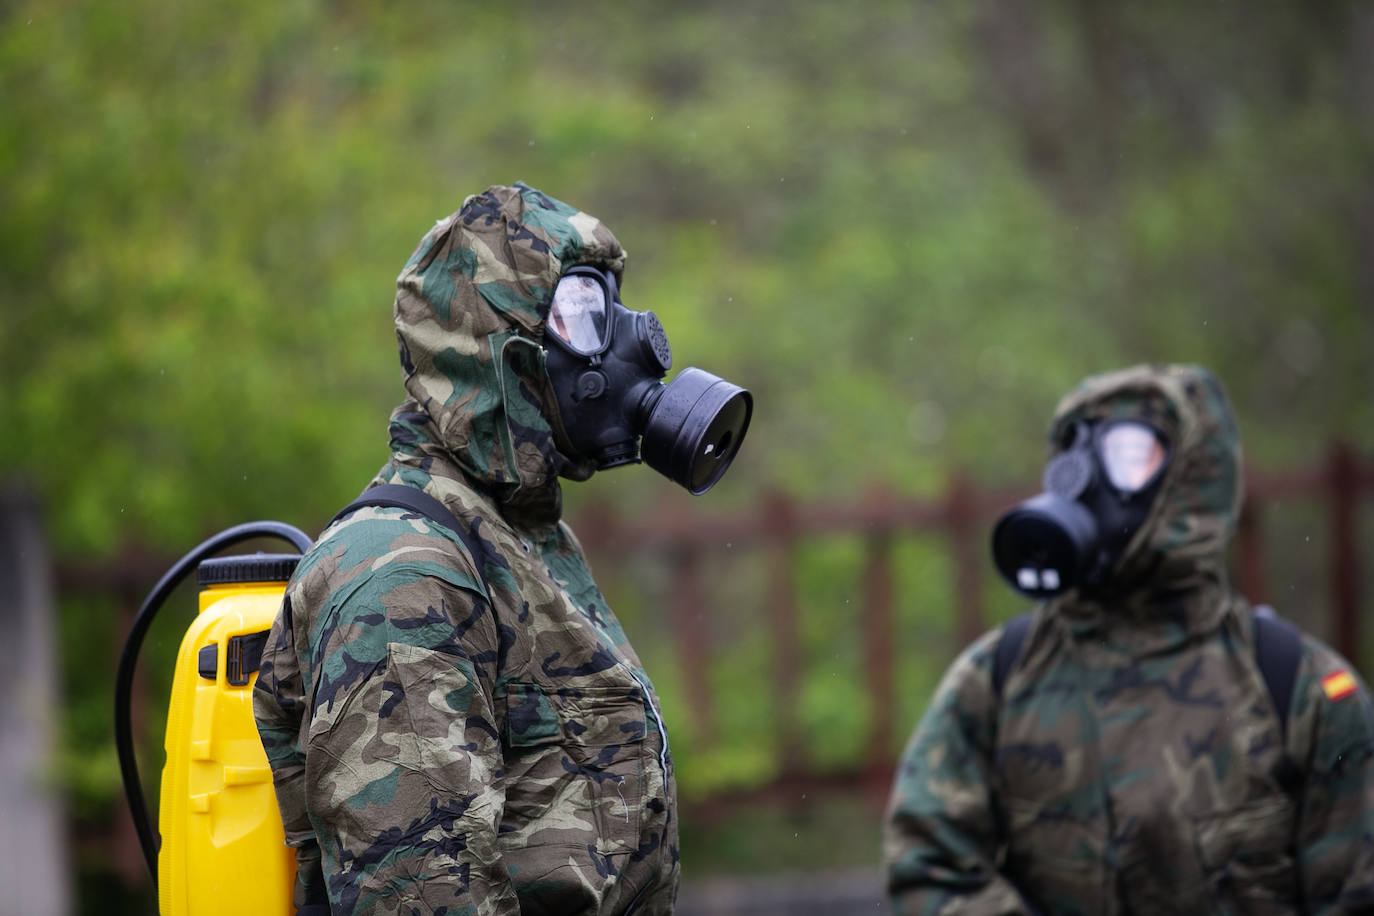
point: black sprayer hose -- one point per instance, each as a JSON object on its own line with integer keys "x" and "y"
{"x": 124, "y": 743}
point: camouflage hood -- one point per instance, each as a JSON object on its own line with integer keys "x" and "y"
{"x": 1175, "y": 564}
{"x": 470, "y": 310}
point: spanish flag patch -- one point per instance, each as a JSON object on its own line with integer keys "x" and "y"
{"x": 1338, "y": 684}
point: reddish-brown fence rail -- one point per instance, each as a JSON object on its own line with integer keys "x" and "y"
{"x": 689, "y": 542}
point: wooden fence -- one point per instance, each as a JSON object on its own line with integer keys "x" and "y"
{"x": 687, "y": 539}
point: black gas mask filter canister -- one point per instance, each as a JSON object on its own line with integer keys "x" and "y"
{"x": 1098, "y": 492}
{"x": 607, "y": 362}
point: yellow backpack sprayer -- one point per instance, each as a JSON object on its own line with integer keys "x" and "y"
{"x": 221, "y": 849}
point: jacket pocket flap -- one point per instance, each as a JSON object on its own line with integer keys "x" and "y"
{"x": 586, "y": 716}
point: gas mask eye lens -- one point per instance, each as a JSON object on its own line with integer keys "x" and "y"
{"x": 578, "y": 313}
{"x": 1132, "y": 455}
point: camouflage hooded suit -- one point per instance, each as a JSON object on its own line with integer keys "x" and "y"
{"x": 1134, "y": 761}
{"x": 460, "y": 726}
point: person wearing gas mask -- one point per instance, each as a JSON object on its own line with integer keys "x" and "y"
{"x": 455, "y": 720}
{"x": 1144, "y": 741}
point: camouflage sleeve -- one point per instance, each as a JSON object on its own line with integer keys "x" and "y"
{"x": 403, "y": 763}
{"x": 278, "y": 703}
{"x": 1331, "y": 728}
{"x": 941, "y": 837}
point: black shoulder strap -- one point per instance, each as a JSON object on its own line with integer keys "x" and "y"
{"x": 400, "y": 496}
{"x": 1278, "y": 649}
{"x": 1009, "y": 649}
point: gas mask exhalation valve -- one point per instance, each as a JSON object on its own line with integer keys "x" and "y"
{"x": 1098, "y": 492}
{"x": 606, "y": 364}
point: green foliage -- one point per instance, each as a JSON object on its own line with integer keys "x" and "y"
{"x": 908, "y": 228}
{"x": 204, "y": 209}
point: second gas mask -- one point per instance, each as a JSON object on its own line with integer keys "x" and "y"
{"x": 606, "y": 363}
{"x": 1098, "y": 493}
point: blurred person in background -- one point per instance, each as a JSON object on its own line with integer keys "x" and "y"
{"x": 1144, "y": 741}
{"x": 455, "y": 719}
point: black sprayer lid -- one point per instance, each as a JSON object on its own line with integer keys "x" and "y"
{"x": 252, "y": 567}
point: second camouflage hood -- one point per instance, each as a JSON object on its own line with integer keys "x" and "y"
{"x": 470, "y": 310}
{"x": 1179, "y": 553}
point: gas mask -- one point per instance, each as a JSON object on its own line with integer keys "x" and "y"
{"x": 606, "y": 363}
{"x": 1098, "y": 493}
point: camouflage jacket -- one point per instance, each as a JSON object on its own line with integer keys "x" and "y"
{"x": 1133, "y": 761}
{"x": 460, "y": 726}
